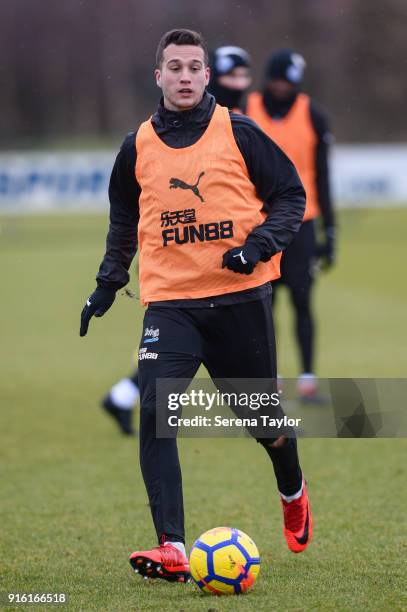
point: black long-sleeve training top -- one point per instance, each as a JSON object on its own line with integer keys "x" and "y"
{"x": 273, "y": 175}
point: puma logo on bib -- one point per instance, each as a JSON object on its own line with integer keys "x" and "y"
{"x": 179, "y": 183}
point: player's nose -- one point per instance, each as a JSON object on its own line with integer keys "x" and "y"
{"x": 185, "y": 76}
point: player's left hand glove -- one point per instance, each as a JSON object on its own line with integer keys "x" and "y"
{"x": 97, "y": 304}
{"x": 242, "y": 259}
{"x": 326, "y": 252}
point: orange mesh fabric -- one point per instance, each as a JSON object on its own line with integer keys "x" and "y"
{"x": 295, "y": 135}
{"x": 196, "y": 203}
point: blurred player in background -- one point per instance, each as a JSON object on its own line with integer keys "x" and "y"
{"x": 230, "y": 79}
{"x": 300, "y": 128}
{"x": 230, "y": 76}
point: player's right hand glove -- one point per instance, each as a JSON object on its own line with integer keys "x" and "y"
{"x": 242, "y": 259}
{"x": 97, "y": 304}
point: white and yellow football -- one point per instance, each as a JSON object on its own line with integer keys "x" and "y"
{"x": 224, "y": 561}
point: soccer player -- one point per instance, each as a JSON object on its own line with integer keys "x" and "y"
{"x": 301, "y": 129}
{"x": 211, "y": 201}
{"x": 230, "y": 78}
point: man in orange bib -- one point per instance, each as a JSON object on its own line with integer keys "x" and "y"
{"x": 300, "y": 128}
{"x": 210, "y": 201}
{"x": 230, "y": 78}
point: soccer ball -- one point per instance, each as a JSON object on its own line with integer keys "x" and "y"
{"x": 224, "y": 561}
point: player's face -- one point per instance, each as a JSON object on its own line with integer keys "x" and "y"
{"x": 182, "y": 77}
{"x": 238, "y": 79}
{"x": 280, "y": 88}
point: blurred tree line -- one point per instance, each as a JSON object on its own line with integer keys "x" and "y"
{"x": 84, "y": 68}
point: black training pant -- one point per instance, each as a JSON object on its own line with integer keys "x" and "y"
{"x": 234, "y": 341}
{"x": 297, "y": 273}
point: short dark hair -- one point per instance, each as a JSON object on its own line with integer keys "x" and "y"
{"x": 180, "y": 36}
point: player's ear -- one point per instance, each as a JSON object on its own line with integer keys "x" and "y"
{"x": 157, "y": 73}
{"x": 207, "y": 75}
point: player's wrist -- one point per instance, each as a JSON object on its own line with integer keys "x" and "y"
{"x": 105, "y": 289}
{"x": 252, "y": 250}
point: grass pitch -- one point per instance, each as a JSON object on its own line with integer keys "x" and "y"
{"x": 73, "y": 505}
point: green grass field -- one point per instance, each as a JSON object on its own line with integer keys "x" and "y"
{"x": 73, "y": 505}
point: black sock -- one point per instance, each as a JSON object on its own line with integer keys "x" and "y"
{"x": 286, "y": 465}
{"x": 170, "y": 537}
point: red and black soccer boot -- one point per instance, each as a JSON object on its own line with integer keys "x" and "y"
{"x": 297, "y": 521}
{"x": 165, "y": 561}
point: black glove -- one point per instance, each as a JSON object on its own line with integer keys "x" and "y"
{"x": 242, "y": 259}
{"x": 97, "y": 304}
{"x": 326, "y": 252}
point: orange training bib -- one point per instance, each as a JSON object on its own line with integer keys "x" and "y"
{"x": 196, "y": 203}
{"x": 295, "y": 135}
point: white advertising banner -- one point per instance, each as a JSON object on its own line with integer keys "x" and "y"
{"x": 32, "y": 182}
{"x": 369, "y": 175}
{"x": 362, "y": 176}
